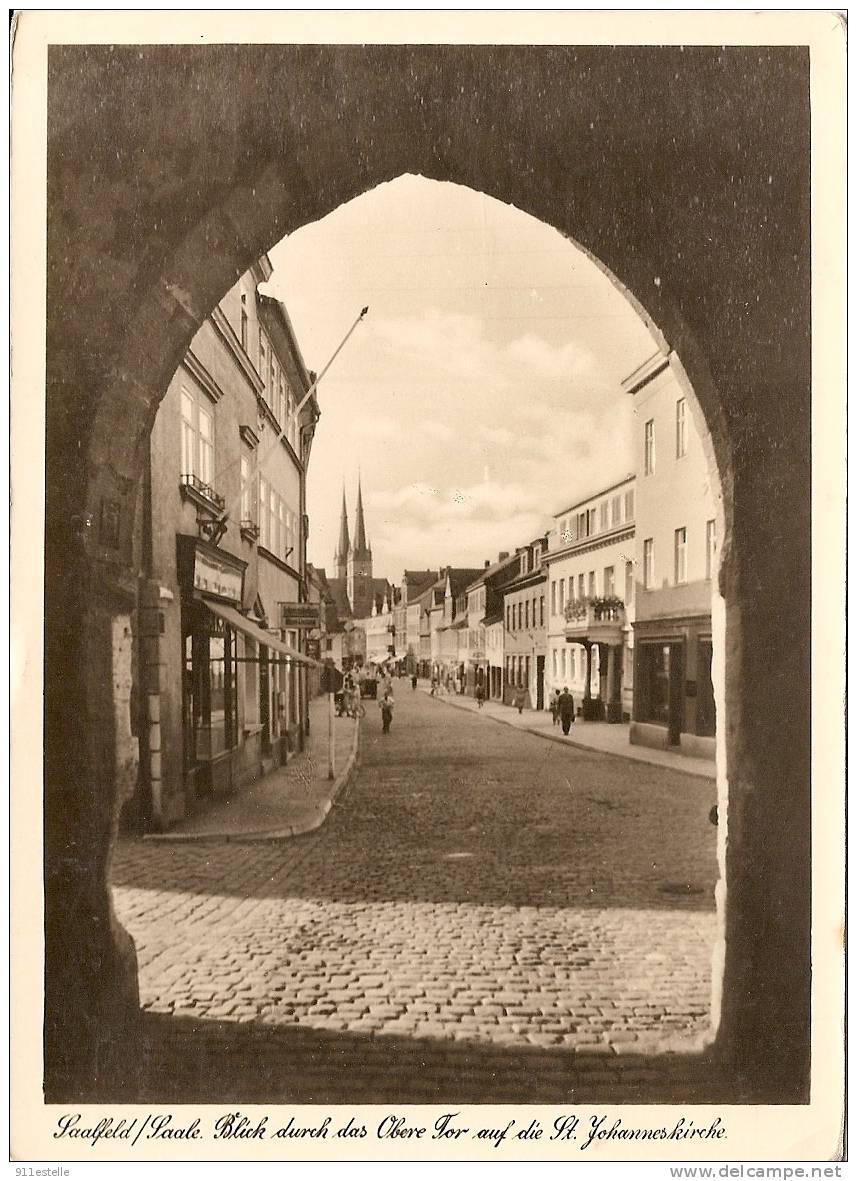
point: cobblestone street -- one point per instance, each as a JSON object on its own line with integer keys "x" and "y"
{"x": 476, "y": 890}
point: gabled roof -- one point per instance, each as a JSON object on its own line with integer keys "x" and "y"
{"x": 461, "y": 577}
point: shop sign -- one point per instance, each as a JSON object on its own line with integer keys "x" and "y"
{"x": 216, "y": 578}
{"x": 299, "y": 615}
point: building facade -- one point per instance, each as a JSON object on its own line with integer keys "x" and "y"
{"x": 676, "y": 562}
{"x": 481, "y": 642}
{"x": 590, "y": 562}
{"x": 221, "y": 528}
{"x": 525, "y": 622}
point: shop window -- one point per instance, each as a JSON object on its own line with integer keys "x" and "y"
{"x": 209, "y": 690}
{"x": 652, "y": 696}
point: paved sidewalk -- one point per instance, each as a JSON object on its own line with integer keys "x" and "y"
{"x": 607, "y": 739}
{"x": 290, "y": 800}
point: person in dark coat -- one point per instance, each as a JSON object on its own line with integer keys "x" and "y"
{"x": 565, "y": 706}
{"x": 414, "y": 681}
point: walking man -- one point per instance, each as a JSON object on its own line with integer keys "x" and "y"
{"x": 480, "y": 695}
{"x": 554, "y": 703}
{"x": 386, "y": 703}
{"x": 565, "y": 705}
{"x": 414, "y": 682}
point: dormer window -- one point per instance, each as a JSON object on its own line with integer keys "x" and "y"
{"x": 537, "y": 557}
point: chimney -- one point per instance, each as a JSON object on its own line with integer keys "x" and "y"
{"x": 503, "y": 555}
{"x": 487, "y": 563}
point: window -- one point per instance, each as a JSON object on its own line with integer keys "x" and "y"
{"x": 629, "y": 505}
{"x": 274, "y": 392}
{"x": 292, "y": 412}
{"x": 541, "y": 611}
{"x": 609, "y": 582}
{"x": 197, "y": 437}
{"x": 649, "y": 563}
{"x": 710, "y": 548}
{"x": 537, "y": 557}
{"x": 616, "y": 511}
{"x": 592, "y": 590}
{"x": 527, "y": 613}
{"x": 245, "y": 337}
{"x": 264, "y": 519}
{"x": 248, "y": 499}
{"x": 553, "y": 599}
{"x": 263, "y": 358}
{"x": 590, "y": 521}
{"x": 629, "y": 583}
{"x": 555, "y": 663}
{"x": 603, "y": 507}
{"x": 572, "y": 664}
{"x": 649, "y": 457}
{"x": 563, "y": 664}
{"x": 680, "y": 428}
{"x": 508, "y": 619}
{"x": 581, "y": 586}
{"x": 680, "y": 556}
{"x": 582, "y": 530}
{"x": 561, "y": 595}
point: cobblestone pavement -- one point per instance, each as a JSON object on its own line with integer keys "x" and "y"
{"x": 475, "y": 886}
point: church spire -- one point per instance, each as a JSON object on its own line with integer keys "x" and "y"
{"x": 341, "y": 555}
{"x": 360, "y": 546}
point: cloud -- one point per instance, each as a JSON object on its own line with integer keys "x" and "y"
{"x": 548, "y": 361}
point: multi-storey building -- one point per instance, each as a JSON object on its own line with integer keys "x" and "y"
{"x": 221, "y": 531}
{"x": 447, "y": 617}
{"x": 481, "y": 640}
{"x": 590, "y": 562}
{"x": 409, "y": 612}
{"x": 676, "y": 563}
{"x": 526, "y": 626}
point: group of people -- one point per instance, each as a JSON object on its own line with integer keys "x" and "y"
{"x": 562, "y": 709}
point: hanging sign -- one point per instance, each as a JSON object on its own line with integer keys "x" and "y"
{"x": 299, "y": 615}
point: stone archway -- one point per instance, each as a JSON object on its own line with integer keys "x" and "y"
{"x": 656, "y": 162}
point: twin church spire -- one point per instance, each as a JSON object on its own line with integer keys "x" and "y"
{"x": 354, "y": 562}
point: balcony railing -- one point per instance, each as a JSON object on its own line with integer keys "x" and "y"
{"x": 600, "y": 619}
{"x": 193, "y": 484}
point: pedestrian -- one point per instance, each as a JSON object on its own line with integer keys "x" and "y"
{"x": 433, "y": 691}
{"x": 414, "y": 681}
{"x": 386, "y": 703}
{"x": 480, "y": 695}
{"x": 520, "y": 700}
{"x": 565, "y": 705}
{"x": 554, "y": 706}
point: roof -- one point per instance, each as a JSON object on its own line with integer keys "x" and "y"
{"x": 494, "y": 617}
{"x": 461, "y": 577}
{"x": 490, "y": 571}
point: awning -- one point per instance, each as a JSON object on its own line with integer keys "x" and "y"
{"x": 242, "y": 624}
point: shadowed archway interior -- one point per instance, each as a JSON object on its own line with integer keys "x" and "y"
{"x": 684, "y": 172}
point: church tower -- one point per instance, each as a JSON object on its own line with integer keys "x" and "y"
{"x": 360, "y": 585}
{"x": 340, "y": 558}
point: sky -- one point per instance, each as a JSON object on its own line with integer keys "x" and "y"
{"x": 482, "y": 392}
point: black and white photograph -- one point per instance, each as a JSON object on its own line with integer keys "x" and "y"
{"x": 427, "y": 555}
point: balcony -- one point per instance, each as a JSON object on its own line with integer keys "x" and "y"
{"x": 599, "y": 620}
{"x": 203, "y": 495}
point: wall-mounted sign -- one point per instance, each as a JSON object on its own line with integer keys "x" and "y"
{"x": 299, "y": 615}
{"x": 216, "y": 578}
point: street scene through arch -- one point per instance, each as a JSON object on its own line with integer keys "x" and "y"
{"x": 719, "y": 299}
{"x": 501, "y": 397}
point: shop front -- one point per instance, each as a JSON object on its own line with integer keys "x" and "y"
{"x": 673, "y": 691}
{"x": 240, "y": 682}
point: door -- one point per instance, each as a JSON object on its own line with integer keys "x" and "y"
{"x": 676, "y": 692}
{"x": 540, "y": 682}
{"x": 265, "y": 699}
